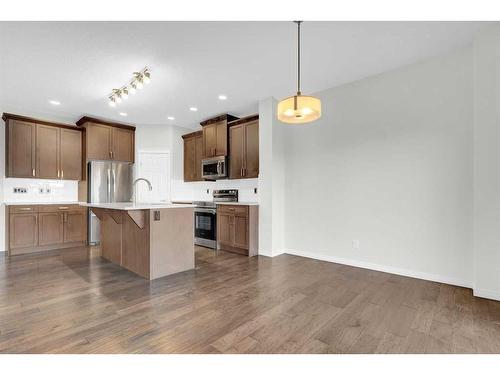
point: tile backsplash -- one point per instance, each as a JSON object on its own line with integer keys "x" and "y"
{"x": 34, "y": 190}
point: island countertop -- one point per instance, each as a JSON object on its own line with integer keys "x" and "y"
{"x": 129, "y": 206}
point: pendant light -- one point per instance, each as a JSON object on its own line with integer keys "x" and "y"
{"x": 299, "y": 109}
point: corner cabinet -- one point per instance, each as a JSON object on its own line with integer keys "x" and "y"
{"x": 244, "y": 148}
{"x": 106, "y": 140}
{"x": 40, "y": 149}
{"x": 237, "y": 228}
{"x": 193, "y": 153}
{"x": 215, "y": 136}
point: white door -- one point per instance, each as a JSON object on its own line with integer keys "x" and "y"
{"x": 155, "y": 167}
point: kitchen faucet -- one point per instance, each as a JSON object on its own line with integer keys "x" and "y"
{"x": 134, "y": 192}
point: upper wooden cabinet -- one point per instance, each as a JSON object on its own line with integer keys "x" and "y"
{"x": 70, "y": 159}
{"x": 20, "y": 144}
{"x": 41, "y": 149}
{"x": 193, "y": 153}
{"x": 215, "y": 135}
{"x": 106, "y": 140}
{"x": 244, "y": 148}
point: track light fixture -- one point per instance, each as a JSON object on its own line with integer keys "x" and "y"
{"x": 140, "y": 78}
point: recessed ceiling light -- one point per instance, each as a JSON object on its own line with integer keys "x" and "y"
{"x": 54, "y": 102}
{"x": 222, "y": 97}
{"x": 171, "y": 118}
{"x": 123, "y": 114}
{"x": 194, "y": 109}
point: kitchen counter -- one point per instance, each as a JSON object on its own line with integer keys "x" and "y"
{"x": 239, "y": 203}
{"x": 151, "y": 240}
{"x": 128, "y": 206}
{"x": 37, "y": 203}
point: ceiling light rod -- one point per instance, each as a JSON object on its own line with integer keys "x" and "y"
{"x": 298, "y": 56}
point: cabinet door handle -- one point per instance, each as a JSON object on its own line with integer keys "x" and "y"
{"x": 25, "y": 209}
{"x": 33, "y": 172}
{"x": 63, "y": 208}
{"x": 62, "y": 173}
{"x": 58, "y": 173}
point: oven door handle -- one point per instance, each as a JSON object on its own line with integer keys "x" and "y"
{"x": 206, "y": 210}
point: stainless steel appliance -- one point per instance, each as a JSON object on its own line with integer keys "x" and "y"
{"x": 108, "y": 181}
{"x": 205, "y": 217}
{"x": 214, "y": 168}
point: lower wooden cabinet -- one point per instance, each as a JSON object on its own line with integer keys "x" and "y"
{"x": 23, "y": 230}
{"x": 46, "y": 227}
{"x": 50, "y": 228}
{"x": 75, "y": 226}
{"x": 237, "y": 229}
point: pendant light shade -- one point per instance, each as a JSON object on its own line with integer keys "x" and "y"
{"x": 299, "y": 109}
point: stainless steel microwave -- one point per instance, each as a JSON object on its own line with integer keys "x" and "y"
{"x": 214, "y": 168}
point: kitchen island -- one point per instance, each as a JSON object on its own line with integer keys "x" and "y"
{"x": 151, "y": 240}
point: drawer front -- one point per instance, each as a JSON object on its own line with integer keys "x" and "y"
{"x": 232, "y": 209}
{"x": 22, "y": 209}
{"x": 60, "y": 208}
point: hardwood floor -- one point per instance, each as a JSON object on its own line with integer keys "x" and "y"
{"x": 73, "y": 301}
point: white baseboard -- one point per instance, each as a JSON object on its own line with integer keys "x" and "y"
{"x": 486, "y": 293}
{"x": 383, "y": 268}
{"x": 269, "y": 253}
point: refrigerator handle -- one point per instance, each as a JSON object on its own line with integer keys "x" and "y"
{"x": 109, "y": 185}
{"x": 114, "y": 185}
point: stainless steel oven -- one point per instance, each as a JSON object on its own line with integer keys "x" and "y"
{"x": 205, "y": 224}
{"x": 214, "y": 168}
{"x": 205, "y": 217}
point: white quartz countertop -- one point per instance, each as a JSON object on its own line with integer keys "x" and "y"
{"x": 239, "y": 203}
{"x": 127, "y": 206}
{"x": 37, "y": 203}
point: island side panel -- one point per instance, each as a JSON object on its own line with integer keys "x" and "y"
{"x": 111, "y": 238}
{"x": 136, "y": 246}
{"x": 172, "y": 241}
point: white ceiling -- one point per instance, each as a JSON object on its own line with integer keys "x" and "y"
{"x": 78, "y": 63}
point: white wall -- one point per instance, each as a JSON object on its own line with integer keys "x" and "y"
{"x": 389, "y": 164}
{"x": 487, "y": 164}
{"x": 271, "y": 180}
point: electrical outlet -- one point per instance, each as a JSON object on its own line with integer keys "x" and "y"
{"x": 208, "y": 191}
{"x": 20, "y": 190}
{"x": 355, "y": 244}
{"x": 255, "y": 190}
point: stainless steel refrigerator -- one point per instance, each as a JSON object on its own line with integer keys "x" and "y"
{"x": 108, "y": 181}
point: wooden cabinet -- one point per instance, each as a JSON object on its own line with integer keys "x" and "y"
{"x": 40, "y": 149}
{"x": 20, "y": 148}
{"x": 106, "y": 140}
{"x": 122, "y": 144}
{"x": 244, "y": 148}
{"x": 98, "y": 141}
{"x": 193, "y": 150}
{"x": 75, "y": 226}
{"x": 23, "y": 230}
{"x": 47, "y": 152}
{"x": 215, "y": 136}
{"x": 50, "y": 228}
{"x": 70, "y": 159}
{"x": 237, "y": 229}
{"x": 46, "y": 227}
